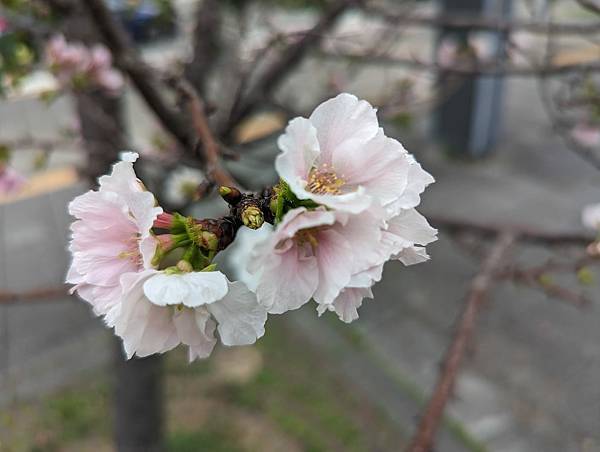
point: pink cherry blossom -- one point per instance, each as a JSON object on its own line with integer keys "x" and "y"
{"x": 161, "y": 310}
{"x": 111, "y": 235}
{"x": 331, "y": 256}
{"x": 340, "y": 158}
{"x": 10, "y": 180}
{"x": 70, "y": 61}
{"x": 403, "y": 239}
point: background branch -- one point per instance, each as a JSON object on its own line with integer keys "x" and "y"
{"x": 480, "y": 286}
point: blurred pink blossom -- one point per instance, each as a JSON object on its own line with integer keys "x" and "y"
{"x": 11, "y": 181}
{"x": 75, "y": 63}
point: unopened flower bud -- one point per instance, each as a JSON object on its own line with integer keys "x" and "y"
{"x": 230, "y": 194}
{"x": 164, "y": 221}
{"x": 252, "y": 217}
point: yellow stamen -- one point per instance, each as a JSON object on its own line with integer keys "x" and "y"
{"x": 324, "y": 180}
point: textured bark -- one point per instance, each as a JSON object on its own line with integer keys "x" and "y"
{"x": 138, "y": 404}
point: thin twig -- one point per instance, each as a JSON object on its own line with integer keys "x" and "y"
{"x": 525, "y": 233}
{"x": 467, "y": 70}
{"x": 431, "y": 419}
{"x": 210, "y": 149}
{"x": 288, "y": 60}
{"x": 144, "y": 78}
{"x": 32, "y": 295}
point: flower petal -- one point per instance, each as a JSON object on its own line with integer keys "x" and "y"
{"x": 195, "y": 328}
{"x": 343, "y": 118}
{"x": 241, "y": 320}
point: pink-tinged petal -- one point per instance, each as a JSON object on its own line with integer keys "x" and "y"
{"x": 418, "y": 180}
{"x": 148, "y": 247}
{"x": 347, "y": 303}
{"x": 381, "y": 166}
{"x": 300, "y": 149}
{"x": 288, "y": 281}
{"x": 343, "y": 118}
{"x": 363, "y": 233}
{"x": 195, "y": 329}
{"x": 335, "y": 260}
{"x": 124, "y": 182}
{"x": 144, "y": 327}
{"x": 412, "y": 255}
{"x": 411, "y": 226}
{"x": 241, "y": 320}
{"x": 300, "y": 218}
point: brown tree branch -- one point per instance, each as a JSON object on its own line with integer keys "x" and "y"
{"x": 288, "y": 60}
{"x": 143, "y": 77}
{"x": 209, "y": 147}
{"x": 32, "y": 295}
{"x": 525, "y": 233}
{"x": 463, "y": 69}
{"x": 423, "y": 439}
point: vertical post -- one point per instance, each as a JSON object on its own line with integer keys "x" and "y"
{"x": 138, "y": 403}
{"x": 467, "y": 121}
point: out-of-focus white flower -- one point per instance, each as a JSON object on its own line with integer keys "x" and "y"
{"x": 340, "y": 158}
{"x": 161, "y": 310}
{"x": 586, "y": 135}
{"x": 590, "y": 216}
{"x": 111, "y": 235}
{"x": 182, "y": 185}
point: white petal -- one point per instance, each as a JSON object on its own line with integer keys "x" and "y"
{"x": 195, "y": 328}
{"x": 590, "y": 216}
{"x": 204, "y": 288}
{"x": 411, "y": 226}
{"x": 343, "y": 118}
{"x": 300, "y": 149}
{"x": 241, "y": 320}
{"x": 412, "y": 255}
{"x": 335, "y": 261}
{"x": 347, "y": 303}
{"x": 145, "y": 328}
{"x": 163, "y": 290}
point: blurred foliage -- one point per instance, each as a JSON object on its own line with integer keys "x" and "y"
{"x": 17, "y": 57}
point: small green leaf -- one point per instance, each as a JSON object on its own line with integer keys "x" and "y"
{"x": 585, "y": 276}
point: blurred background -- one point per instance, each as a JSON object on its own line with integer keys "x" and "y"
{"x": 499, "y": 100}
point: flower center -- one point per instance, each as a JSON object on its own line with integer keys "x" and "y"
{"x": 132, "y": 251}
{"x": 324, "y": 180}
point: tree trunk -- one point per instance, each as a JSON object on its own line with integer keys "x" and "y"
{"x": 138, "y": 416}
{"x": 138, "y": 403}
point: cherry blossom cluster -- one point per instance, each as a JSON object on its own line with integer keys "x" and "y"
{"x": 76, "y": 66}
{"x": 344, "y": 206}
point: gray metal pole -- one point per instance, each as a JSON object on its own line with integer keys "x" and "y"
{"x": 467, "y": 121}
